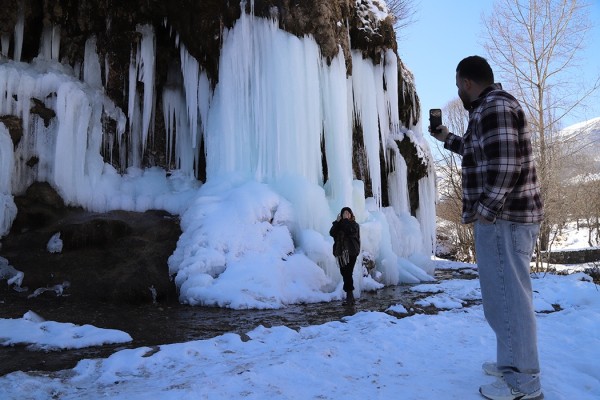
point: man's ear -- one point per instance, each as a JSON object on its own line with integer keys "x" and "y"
{"x": 468, "y": 84}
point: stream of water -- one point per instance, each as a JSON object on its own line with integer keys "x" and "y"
{"x": 164, "y": 323}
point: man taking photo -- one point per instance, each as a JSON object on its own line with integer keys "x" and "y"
{"x": 501, "y": 196}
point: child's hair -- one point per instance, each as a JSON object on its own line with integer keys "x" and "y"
{"x": 349, "y": 210}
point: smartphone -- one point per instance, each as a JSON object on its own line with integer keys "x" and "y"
{"x": 435, "y": 119}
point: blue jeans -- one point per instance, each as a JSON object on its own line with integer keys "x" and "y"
{"x": 504, "y": 251}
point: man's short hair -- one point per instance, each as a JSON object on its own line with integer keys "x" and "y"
{"x": 477, "y": 69}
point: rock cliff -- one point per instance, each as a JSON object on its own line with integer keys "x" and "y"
{"x": 140, "y": 79}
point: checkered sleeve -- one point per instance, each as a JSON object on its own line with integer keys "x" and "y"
{"x": 454, "y": 143}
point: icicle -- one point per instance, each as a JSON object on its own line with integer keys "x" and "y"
{"x": 73, "y": 110}
{"x": 92, "y": 75}
{"x": 106, "y": 68}
{"x": 336, "y": 95}
{"x": 204, "y": 99}
{"x": 177, "y": 125}
{"x": 5, "y": 40}
{"x": 146, "y": 62}
{"x": 398, "y": 182}
{"x": 141, "y": 111}
{"x": 426, "y": 211}
{"x": 46, "y": 43}
{"x": 55, "y": 42}
{"x": 6, "y": 161}
{"x": 170, "y": 120}
{"x": 134, "y": 146}
{"x": 190, "y": 70}
{"x": 368, "y": 94}
{"x": 391, "y": 79}
{"x": 19, "y": 28}
{"x": 8, "y": 213}
{"x": 186, "y": 104}
{"x": 50, "y": 43}
{"x": 257, "y": 105}
{"x": 133, "y": 109}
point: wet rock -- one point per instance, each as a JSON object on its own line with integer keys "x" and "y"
{"x": 418, "y": 167}
{"x": 117, "y": 256}
{"x": 44, "y": 112}
{"x": 14, "y": 126}
{"x": 96, "y": 232}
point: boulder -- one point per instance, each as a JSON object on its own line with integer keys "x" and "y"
{"x": 118, "y": 256}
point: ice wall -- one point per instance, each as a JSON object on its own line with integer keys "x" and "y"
{"x": 275, "y": 102}
{"x": 278, "y": 111}
{"x": 375, "y": 108}
{"x": 67, "y": 146}
{"x": 141, "y": 107}
{"x": 18, "y": 35}
{"x": 277, "y": 97}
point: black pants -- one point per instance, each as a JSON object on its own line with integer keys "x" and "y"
{"x": 346, "y": 271}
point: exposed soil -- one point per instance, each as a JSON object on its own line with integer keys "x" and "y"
{"x": 171, "y": 322}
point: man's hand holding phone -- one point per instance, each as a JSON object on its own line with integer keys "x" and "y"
{"x": 437, "y": 130}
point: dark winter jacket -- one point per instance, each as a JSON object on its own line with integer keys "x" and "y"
{"x": 346, "y": 236}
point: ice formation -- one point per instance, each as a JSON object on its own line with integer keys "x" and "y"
{"x": 277, "y": 100}
{"x": 8, "y": 209}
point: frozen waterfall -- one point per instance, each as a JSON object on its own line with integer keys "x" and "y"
{"x": 278, "y": 113}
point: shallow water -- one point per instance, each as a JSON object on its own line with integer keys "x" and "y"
{"x": 164, "y": 323}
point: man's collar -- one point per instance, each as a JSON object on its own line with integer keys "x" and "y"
{"x": 484, "y": 93}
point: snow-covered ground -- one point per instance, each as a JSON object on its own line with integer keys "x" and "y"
{"x": 259, "y": 238}
{"x": 369, "y": 355}
{"x": 573, "y": 238}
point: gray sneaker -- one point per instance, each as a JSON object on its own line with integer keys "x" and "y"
{"x": 500, "y": 390}
{"x": 490, "y": 368}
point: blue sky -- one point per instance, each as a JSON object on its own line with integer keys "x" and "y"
{"x": 445, "y": 32}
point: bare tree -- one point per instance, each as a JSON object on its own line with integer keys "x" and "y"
{"x": 403, "y": 12}
{"x": 581, "y": 183}
{"x": 535, "y": 45}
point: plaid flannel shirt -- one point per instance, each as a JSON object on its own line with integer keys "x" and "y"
{"x": 498, "y": 171}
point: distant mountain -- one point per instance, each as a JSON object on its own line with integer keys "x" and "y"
{"x": 589, "y": 128}
{"x": 581, "y": 144}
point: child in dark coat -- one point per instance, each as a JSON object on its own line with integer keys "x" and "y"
{"x": 346, "y": 247}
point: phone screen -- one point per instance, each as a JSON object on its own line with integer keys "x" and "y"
{"x": 435, "y": 118}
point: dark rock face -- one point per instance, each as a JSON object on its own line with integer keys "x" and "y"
{"x": 14, "y": 126}
{"x": 419, "y": 170}
{"x": 117, "y": 256}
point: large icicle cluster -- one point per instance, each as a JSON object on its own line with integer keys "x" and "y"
{"x": 141, "y": 111}
{"x": 276, "y": 100}
{"x": 277, "y": 115}
{"x": 67, "y": 147}
{"x": 65, "y": 150}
